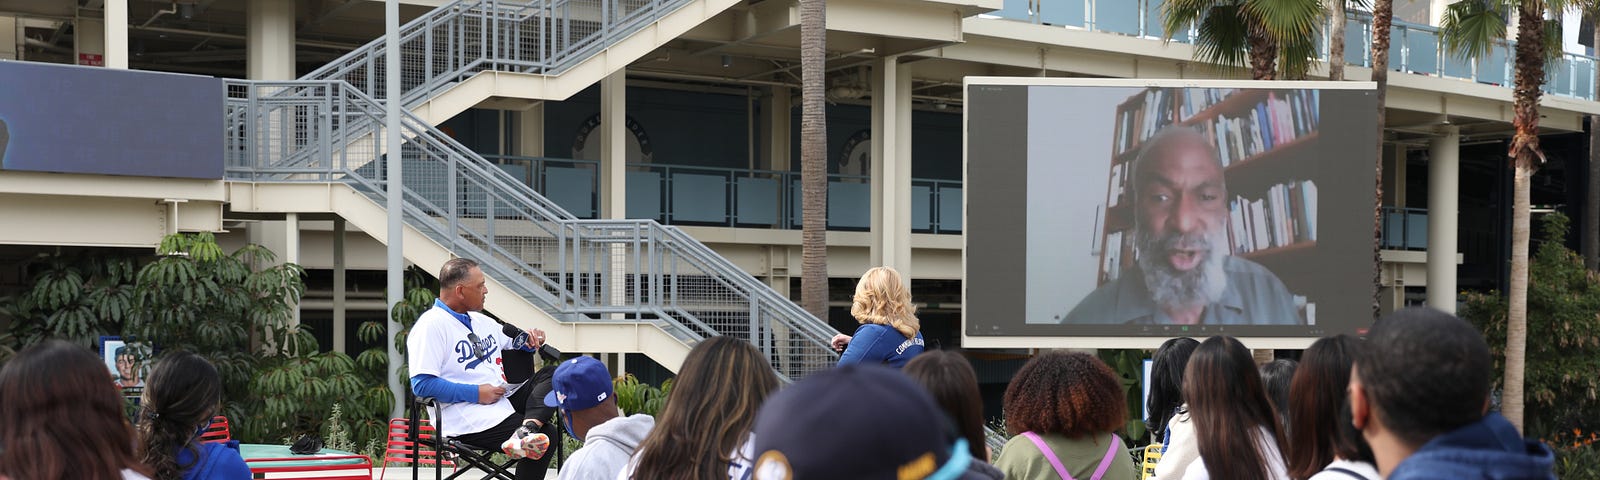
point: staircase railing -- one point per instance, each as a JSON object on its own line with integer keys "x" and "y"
{"x": 460, "y": 39}
{"x": 579, "y": 270}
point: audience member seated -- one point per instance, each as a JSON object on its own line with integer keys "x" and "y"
{"x": 1323, "y": 445}
{"x": 1419, "y": 392}
{"x": 890, "y": 332}
{"x": 61, "y": 417}
{"x": 1062, "y": 408}
{"x": 704, "y": 430}
{"x": 863, "y": 422}
{"x": 1275, "y": 378}
{"x": 455, "y": 358}
{"x": 1234, "y": 425}
{"x": 180, "y": 399}
{"x": 954, "y": 385}
{"x": 1169, "y": 417}
{"x": 584, "y": 394}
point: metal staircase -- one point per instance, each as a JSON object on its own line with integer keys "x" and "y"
{"x": 329, "y": 128}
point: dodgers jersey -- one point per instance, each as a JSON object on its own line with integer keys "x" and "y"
{"x": 439, "y": 346}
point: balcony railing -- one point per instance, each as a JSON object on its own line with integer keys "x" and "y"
{"x": 1405, "y": 228}
{"x": 1415, "y": 48}
{"x": 727, "y": 197}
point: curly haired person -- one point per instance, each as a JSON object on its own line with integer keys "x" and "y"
{"x": 1062, "y": 408}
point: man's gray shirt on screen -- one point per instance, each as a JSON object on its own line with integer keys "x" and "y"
{"x": 1254, "y": 297}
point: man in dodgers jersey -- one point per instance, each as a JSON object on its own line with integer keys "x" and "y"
{"x": 456, "y": 358}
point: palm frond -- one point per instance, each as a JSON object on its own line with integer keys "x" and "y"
{"x": 1471, "y": 27}
{"x": 1223, "y": 38}
{"x": 1177, "y": 15}
{"x": 1286, "y": 19}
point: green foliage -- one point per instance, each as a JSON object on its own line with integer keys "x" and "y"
{"x": 634, "y": 396}
{"x": 227, "y": 307}
{"x": 1129, "y": 365}
{"x": 1563, "y": 392}
{"x": 1577, "y": 456}
{"x": 1226, "y": 28}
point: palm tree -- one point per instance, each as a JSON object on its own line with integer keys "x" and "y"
{"x": 1469, "y": 29}
{"x": 1274, "y": 37}
{"x": 813, "y": 159}
{"x": 1382, "y": 17}
{"x": 1336, "y": 40}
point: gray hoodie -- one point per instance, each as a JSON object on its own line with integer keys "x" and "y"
{"x": 606, "y": 450}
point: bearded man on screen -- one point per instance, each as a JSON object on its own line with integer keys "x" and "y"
{"x": 1185, "y": 273}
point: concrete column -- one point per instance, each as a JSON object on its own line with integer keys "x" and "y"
{"x": 891, "y": 165}
{"x": 8, "y": 39}
{"x": 269, "y": 43}
{"x": 530, "y": 131}
{"x": 291, "y": 249}
{"x": 776, "y": 137}
{"x": 339, "y": 306}
{"x": 613, "y": 146}
{"x": 1399, "y": 176}
{"x": 116, "y": 36}
{"x": 1444, "y": 185}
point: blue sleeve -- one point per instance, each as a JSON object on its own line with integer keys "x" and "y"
{"x": 861, "y": 346}
{"x": 444, "y": 390}
{"x": 225, "y": 464}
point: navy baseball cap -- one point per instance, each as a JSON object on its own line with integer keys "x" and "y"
{"x": 857, "y": 421}
{"x": 579, "y": 384}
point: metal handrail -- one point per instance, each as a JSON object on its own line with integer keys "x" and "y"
{"x": 460, "y": 39}
{"x": 579, "y": 270}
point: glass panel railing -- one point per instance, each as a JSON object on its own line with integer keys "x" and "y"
{"x": 1416, "y": 47}
{"x": 1118, "y": 17}
{"x": 1405, "y": 228}
{"x": 710, "y": 196}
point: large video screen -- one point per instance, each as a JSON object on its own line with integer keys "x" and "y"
{"x": 72, "y": 119}
{"x": 1147, "y": 209}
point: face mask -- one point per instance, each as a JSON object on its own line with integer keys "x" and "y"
{"x": 566, "y": 420}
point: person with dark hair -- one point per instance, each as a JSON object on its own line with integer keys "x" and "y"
{"x": 1186, "y": 272}
{"x": 1275, "y": 377}
{"x": 859, "y": 422}
{"x": 455, "y": 358}
{"x": 182, "y": 396}
{"x": 1062, "y": 408}
{"x": 704, "y": 430}
{"x": 1322, "y": 443}
{"x": 890, "y": 332}
{"x": 1234, "y": 425}
{"x": 1419, "y": 392}
{"x": 60, "y": 418}
{"x": 1169, "y": 418}
{"x": 954, "y": 385}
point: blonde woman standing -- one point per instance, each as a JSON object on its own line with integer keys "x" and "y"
{"x": 889, "y": 333}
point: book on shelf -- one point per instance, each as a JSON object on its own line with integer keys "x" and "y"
{"x": 1285, "y": 215}
{"x": 1119, "y": 183}
{"x": 1279, "y": 118}
{"x": 1142, "y": 116}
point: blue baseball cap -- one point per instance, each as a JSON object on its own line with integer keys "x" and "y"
{"x": 579, "y": 384}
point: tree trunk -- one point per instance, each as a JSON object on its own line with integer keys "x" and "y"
{"x": 813, "y": 159}
{"x": 1525, "y": 158}
{"x": 1590, "y": 235}
{"x": 1511, "y": 402}
{"x": 1382, "y": 14}
{"x": 1263, "y": 50}
{"x": 1336, "y": 42}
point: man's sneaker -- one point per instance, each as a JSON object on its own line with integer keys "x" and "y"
{"x": 526, "y": 443}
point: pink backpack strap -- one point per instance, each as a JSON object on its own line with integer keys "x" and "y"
{"x": 1111, "y": 455}
{"x": 1055, "y": 462}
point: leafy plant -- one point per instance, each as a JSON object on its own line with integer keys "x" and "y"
{"x": 1563, "y": 353}
{"x": 634, "y": 396}
{"x": 1129, "y": 365}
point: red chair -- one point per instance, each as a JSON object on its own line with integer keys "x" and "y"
{"x": 217, "y": 432}
{"x": 399, "y": 447}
